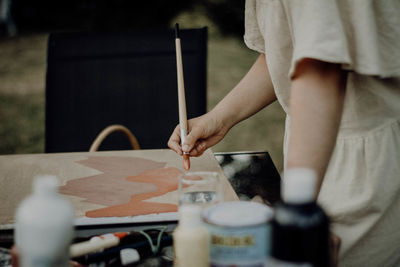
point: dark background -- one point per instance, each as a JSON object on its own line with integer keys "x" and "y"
{"x": 100, "y": 15}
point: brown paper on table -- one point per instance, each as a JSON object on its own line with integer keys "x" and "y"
{"x": 103, "y": 183}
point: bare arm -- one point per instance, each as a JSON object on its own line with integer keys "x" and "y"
{"x": 316, "y": 104}
{"x": 250, "y": 95}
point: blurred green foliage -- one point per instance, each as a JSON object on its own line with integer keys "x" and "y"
{"x": 21, "y": 123}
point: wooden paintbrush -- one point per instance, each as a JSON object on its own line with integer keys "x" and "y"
{"x": 181, "y": 97}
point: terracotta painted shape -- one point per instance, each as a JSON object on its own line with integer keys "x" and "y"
{"x": 166, "y": 181}
{"x": 124, "y": 185}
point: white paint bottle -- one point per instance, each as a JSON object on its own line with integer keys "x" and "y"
{"x": 44, "y": 226}
{"x": 190, "y": 239}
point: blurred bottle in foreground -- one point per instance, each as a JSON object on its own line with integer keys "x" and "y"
{"x": 44, "y": 226}
{"x": 190, "y": 239}
{"x": 300, "y": 228}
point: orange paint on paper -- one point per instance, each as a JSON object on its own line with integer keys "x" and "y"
{"x": 166, "y": 181}
{"x": 124, "y": 186}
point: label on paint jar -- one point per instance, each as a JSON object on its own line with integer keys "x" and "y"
{"x": 239, "y": 234}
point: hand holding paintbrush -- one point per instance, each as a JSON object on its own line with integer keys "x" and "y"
{"x": 181, "y": 97}
{"x": 205, "y": 131}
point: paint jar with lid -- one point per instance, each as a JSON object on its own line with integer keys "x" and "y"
{"x": 239, "y": 233}
{"x": 44, "y": 226}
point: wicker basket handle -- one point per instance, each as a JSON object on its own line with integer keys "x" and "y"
{"x": 110, "y": 129}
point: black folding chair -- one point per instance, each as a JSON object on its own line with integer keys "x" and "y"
{"x": 98, "y": 79}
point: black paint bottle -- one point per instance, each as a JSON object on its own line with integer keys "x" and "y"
{"x": 300, "y": 228}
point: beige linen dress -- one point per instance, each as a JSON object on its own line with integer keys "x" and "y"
{"x": 361, "y": 189}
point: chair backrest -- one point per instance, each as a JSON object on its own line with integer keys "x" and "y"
{"x": 98, "y": 79}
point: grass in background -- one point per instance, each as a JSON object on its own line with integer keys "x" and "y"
{"x": 22, "y": 100}
{"x": 22, "y": 74}
{"x": 21, "y": 123}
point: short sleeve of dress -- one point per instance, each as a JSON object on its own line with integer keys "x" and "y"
{"x": 252, "y": 36}
{"x": 361, "y": 35}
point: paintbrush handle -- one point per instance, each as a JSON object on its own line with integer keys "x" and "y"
{"x": 181, "y": 97}
{"x": 181, "y": 91}
{"x": 93, "y": 245}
